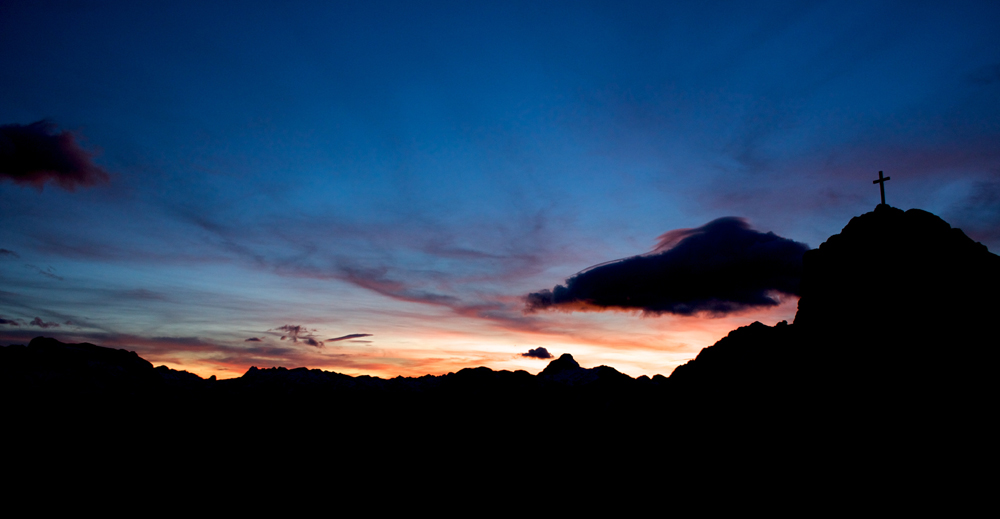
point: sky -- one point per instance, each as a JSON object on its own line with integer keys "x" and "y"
{"x": 410, "y": 188}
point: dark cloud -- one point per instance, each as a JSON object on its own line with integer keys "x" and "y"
{"x": 5, "y": 252}
{"x": 37, "y": 321}
{"x": 351, "y": 336}
{"x": 252, "y": 339}
{"x": 721, "y": 267}
{"x": 293, "y": 331}
{"x": 37, "y": 153}
{"x": 299, "y": 333}
{"x": 538, "y": 353}
{"x": 10, "y": 322}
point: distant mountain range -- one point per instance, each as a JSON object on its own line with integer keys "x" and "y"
{"x": 892, "y": 352}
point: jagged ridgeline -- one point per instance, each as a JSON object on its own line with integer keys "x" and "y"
{"x": 894, "y": 330}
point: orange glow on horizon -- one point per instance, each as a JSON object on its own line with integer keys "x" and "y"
{"x": 650, "y": 346}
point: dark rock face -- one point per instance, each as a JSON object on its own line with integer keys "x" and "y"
{"x": 565, "y": 362}
{"x": 912, "y": 303}
{"x": 894, "y": 337}
{"x": 901, "y": 283}
{"x": 888, "y": 299}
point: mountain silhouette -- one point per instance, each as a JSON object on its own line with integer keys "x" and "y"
{"x": 889, "y": 363}
{"x": 896, "y": 298}
{"x": 890, "y": 357}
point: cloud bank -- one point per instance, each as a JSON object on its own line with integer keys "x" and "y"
{"x": 719, "y": 268}
{"x": 37, "y": 153}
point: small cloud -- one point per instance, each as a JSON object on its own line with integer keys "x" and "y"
{"x": 10, "y": 322}
{"x": 5, "y": 252}
{"x": 538, "y": 353}
{"x": 293, "y": 331}
{"x": 252, "y": 339}
{"x": 37, "y": 321}
{"x": 351, "y": 336}
{"x": 37, "y": 153}
{"x": 299, "y": 333}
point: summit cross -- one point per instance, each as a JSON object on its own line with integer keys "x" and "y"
{"x": 881, "y": 185}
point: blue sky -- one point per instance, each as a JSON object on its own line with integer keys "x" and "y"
{"x": 412, "y": 170}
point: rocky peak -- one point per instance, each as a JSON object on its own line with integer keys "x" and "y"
{"x": 906, "y": 279}
{"x": 564, "y": 363}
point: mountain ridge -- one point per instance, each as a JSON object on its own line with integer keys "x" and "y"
{"x": 877, "y": 265}
{"x": 846, "y": 385}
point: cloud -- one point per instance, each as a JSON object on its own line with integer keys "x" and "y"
{"x": 299, "y": 333}
{"x": 37, "y": 153}
{"x": 378, "y": 280}
{"x": 351, "y": 336}
{"x": 5, "y": 252}
{"x": 252, "y": 339}
{"x": 10, "y": 322}
{"x": 292, "y": 330}
{"x": 538, "y": 353}
{"x": 719, "y": 268}
{"x": 37, "y": 321}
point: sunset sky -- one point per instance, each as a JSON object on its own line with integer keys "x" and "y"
{"x": 394, "y": 188}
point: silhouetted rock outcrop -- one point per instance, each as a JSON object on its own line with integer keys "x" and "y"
{"x": 894, "y": 336}
{"x": 893, "y": 295}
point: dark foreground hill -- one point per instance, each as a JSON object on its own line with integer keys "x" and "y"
{"x": 889, "y": 364}
{"x": 897, "y": 302}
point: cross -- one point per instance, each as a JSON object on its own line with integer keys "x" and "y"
{"x": 881, "y": 185}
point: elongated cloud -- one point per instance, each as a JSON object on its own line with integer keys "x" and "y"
{"x": 351, "y": 336}
{"x": 37, "y": 153}
{"x": 721, "y": 267}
